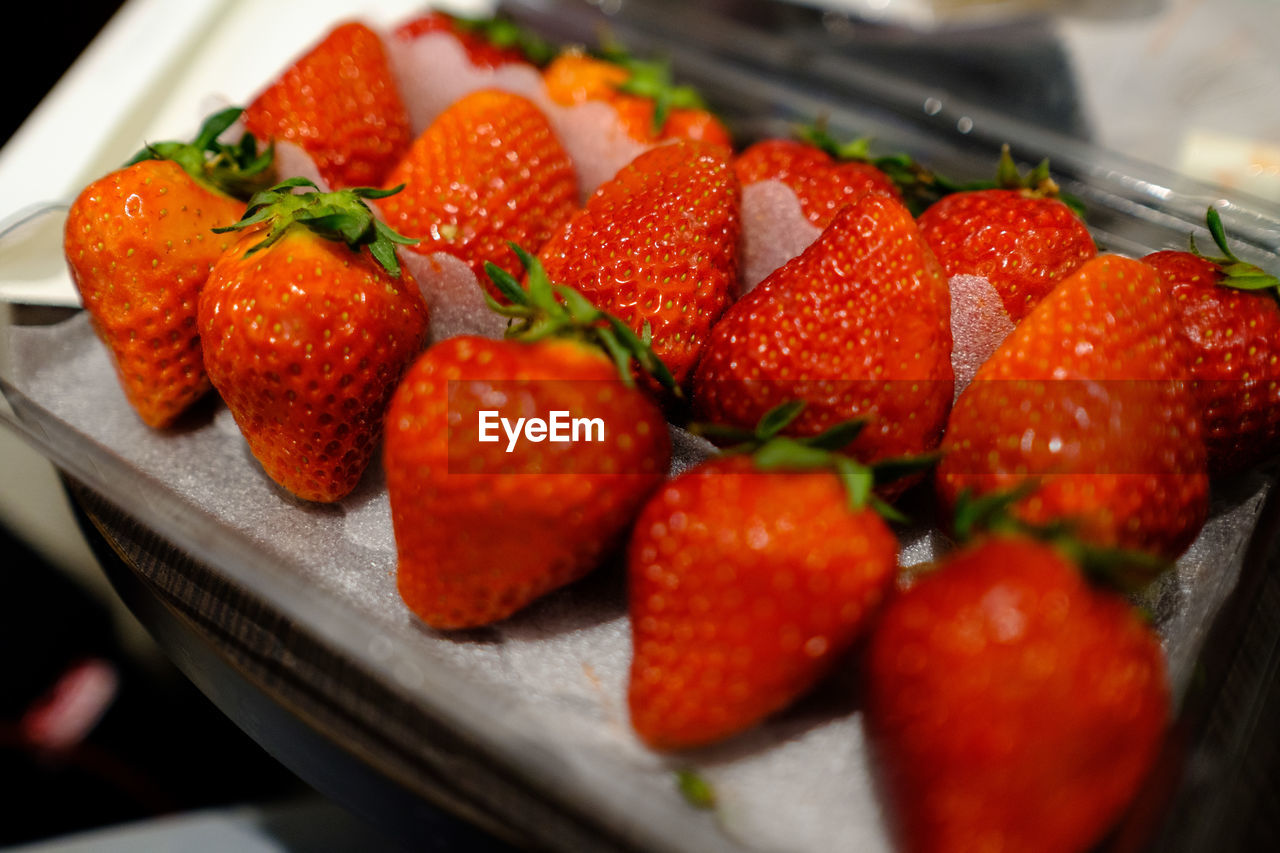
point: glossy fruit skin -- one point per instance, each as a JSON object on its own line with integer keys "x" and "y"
{"x": 858, "y": 325}
{"x": 340, "y": 104}
{"x": 481, "y": 52}
{"x": 658, "y": 244}
{"x": 488, "y": 171}
{"x": 480, "y": 532}
{"x": 575, "y": 78}
{"x": 746, "y": 587}
{"x": 305, "y": 341}
{"x": 1235, "y": 340}
{"x": 822, "y": 184}
{"x": 1023, "y": 245}
{"x": 1088, "y": 398}
{"x": 139, "y": 247}
{"x": 1010, "y": 706}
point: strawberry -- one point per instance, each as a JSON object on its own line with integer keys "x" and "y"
{"x": 1231, "y": 317}
{"x": 823, "y": 183}
{"x": 650, "y": 106}
{"x": 485, "y": 527}
{"x": 749, "y": 577}
{"x": 1020, "y": 236}
{"x": 1085, "y": 400}
{"x": 1011, "y": 706}
{"x": 139, "y": 248}
{"x": 305, "y": 335}
{"x": 658, "y": 247}
{"x": 340, "y": 104}
{"x": 488, "y": 42}
{"x": 858, "y": 325}
{"x": 488, "y": 171}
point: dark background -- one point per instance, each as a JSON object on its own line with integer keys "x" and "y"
{"x": 161, "y": 747}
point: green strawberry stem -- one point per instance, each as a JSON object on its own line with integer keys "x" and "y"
{"x": 1124, "y": 569}
{"x": 341, "y": 216}
{"x": 1236, "y": 273}
{"x": 505, "y": 33}
{"x": 920, "y": 185}
{"x": 237, "y": 170}
{"x": 771, "y": 451}
{"x": 544, "y": 310}
{"x": 1037, "y": 183}
{"x": 695, "y": 789}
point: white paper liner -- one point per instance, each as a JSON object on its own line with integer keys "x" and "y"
{"x": 433, "y": 72}
{"x": 454, "y": 297}
{"x": 774, "y": 230}
{"x": 979, "y": 324}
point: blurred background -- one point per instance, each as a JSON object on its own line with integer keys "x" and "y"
{"x": 97, "y": 728}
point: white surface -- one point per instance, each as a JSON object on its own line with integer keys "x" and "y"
{"x": 1191, "y": 88}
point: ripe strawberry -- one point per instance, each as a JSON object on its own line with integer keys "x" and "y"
{"x": 822, "y": 182}
{"x": 340, "y": 104}
{"x": 1010, "y": 706}
{"x": 488, "y": 42}
{"x": 658, "y": 246}
{"x": 649, "y": 105}
{"x": 1085, "y": 398}
{"x": 1232, "y": 320}
{"x": 139, "y": 248}
{"x": 482, "y": 529}
{"x": 750, "y": 576}
{"x": 859, "y": 325}
{"x": 305, "y": 335}
{"x": 489, "y": 171}
{"x": 1020, "y": 236}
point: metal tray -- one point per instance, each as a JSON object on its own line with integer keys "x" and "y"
{"x": 528, "y": 717}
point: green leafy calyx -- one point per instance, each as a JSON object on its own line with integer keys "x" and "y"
{"x": 651, "y": 78}
{"x": 542, "y": 309}
{"x": 1236, "y": 273}
{"x": 993, "y": 513}
{"x": 238, "y": 170}
{"x": 341, "y": 216}
{"x": 770, "y": 450}
{"x": 506, "y": 34}
{"x": 919, "y": 185}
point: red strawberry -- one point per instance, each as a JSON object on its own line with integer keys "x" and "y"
{"x": 483, "y": 528}
{"x": 306, "y": 335}
{"x": 1085, "y": 399}
{"x": 340, "y": 104}
{"x": 1024, "y": 240}
{"x": 750, "y": 576}
{"x": 650, "y": 106}
{"x": 489, "y": 171}
{"x": 1231, "y": 317}
{"x": 1010, "y": 706}
{"x": 822, "y": 183}
{"x": 658, "y": 245}
{"x": 859, "y": 325}
{"x": 139, "y": 248}
{"x": 488, "y": 42}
